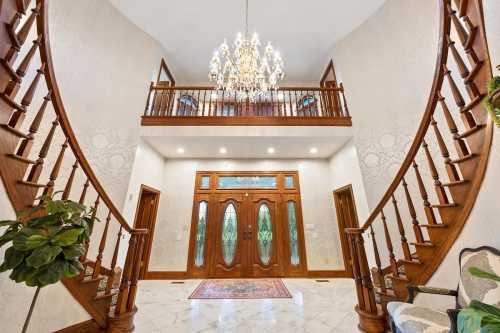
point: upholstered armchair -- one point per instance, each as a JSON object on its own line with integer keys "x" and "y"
{"x": 410, "y": 318}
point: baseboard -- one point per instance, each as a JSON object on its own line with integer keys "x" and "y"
{"x": 329, "y": 274}
{"x": 89, "y": 326}
{"x": 163, "y": 275}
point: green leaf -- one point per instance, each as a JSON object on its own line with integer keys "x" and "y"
{"x": 21, "y": 242}
{"x": 490, "y": 324}
{"x": 8, "y": 223}
{"x": 8, "y": 236}
{"x": 12, "y": 259}
{"x": 72, "y": 268}
{"x": 22, "y": 273}
{"x": 43, "y": 256}
{"x": 475, "y": 304}
{"x": 44, "y": 221}
{"x": 51, "y": 273}
{"x": 74, "y": 251}
{"x": 469, "y": 320}
{"x": 67, "y": 237}
{"x": 474, "y": 271}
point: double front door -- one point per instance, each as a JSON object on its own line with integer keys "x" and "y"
{"x": 247, "y": 234}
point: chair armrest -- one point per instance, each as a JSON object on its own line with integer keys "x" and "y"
{"x": 453, "y": 315}
{"x": 413, "y": 289}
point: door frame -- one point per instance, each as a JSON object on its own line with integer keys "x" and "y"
{"x": 151, "y": 230}
{"x": 211, "y": 193}
{"x": 343, "y": 237}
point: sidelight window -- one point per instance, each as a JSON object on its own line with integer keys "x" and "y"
{"x": 200, "y": 234}
{"x": 293, "y": 235}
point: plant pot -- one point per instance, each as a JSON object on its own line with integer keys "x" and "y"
{"x": 495, "y": 98}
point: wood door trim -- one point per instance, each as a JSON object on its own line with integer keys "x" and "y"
{"x": 343, "y": 239}
{"x": 149, "y": 244}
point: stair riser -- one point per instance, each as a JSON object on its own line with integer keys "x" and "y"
{"x": 412, "y": 271}
{"x": 425, "y": 254}
{"x": 400, "y": 288}
{"x": 437, "y": 235}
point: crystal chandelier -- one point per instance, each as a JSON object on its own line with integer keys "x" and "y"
{"x": 245, "y": 71}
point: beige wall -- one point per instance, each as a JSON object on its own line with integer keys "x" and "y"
{"x": 103, "y": 65}
{"x": 387, "y": 67}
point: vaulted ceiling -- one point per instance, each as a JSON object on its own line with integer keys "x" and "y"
{"x": 303, "y": 31}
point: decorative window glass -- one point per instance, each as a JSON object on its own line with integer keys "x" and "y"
{"x": 308, "y": 105}
{"x": 232, "y": 182}
{"x": 292, "y": 230}
{"x": 289, "y": 182}
{"x": 229, "y": 234}
{"x": 205, "y": 182}
{"x": 264, "y": 234}
{"x": 200, "y": 234}
{"x": 188, "y": 105}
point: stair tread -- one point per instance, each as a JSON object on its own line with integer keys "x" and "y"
{"x": 471, "y": 131}
{"x": 437, "y": 226}
{"x": 7, "y": 99}
{"x": 455, "y": 183}
{"x": 14, "y": 131}
{"x": 32, "y": 184}
{"x": 472, "y": 103}
{"x": 411, "y": 262}
{"x": 426, "y": 244}
{"x": 448, "y": 205}
{"x": 465, "y": 158}
{"x": 22, "y": 159}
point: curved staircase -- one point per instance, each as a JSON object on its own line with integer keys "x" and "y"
{"x": 39, "y": 154}
{"x": 424, "y": 209}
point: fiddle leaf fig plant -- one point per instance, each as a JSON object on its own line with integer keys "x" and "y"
{"x": 480, "y": 317}
{"x": 46, "y": 243}
{"x": 492, "y": 106}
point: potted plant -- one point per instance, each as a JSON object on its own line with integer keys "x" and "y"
{"x": 492, "y": 101}
{"x": 480, "y": 317}
{"x": 46, "y": 243}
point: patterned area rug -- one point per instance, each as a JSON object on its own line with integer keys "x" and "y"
{"x": 241, "y": 289}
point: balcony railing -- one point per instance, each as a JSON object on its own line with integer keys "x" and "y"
{"x": 199, "y": 106}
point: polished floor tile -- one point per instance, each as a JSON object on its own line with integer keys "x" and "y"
{"x": 316, "y": 307}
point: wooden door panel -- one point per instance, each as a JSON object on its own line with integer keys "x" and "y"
{"x": 221, "y": 267}
{"x": 265, "y": 244}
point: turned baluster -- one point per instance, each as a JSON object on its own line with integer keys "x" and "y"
{"x": 84, "y": 192}
{"x": 102, "y": 245}
{"x": 462, "y": 68}
{"x": 13, "y": 52}
{"x": 441, "y": 193}
{"x": 346, "y": 110}
{"x": 83, "y": 258}
{"x": 459, "y": 100}
{"x": 450, "y": 167}
{"x": 135, "y": 273}
{"x": 469, "y": 51}
{"x": 429, "y": 213}
{"x": 69, "y": 183}
{"x": 459, "y": 28}
{"x": 114, "y": 260}
{"x": 26, "y": 144}
{"x": 22, "y": 34}
{"x": 22, "y": 5}
{"x": 36, "y": 169}
{"x": 49, "y": 188}
{"x": 404, "y": 241}
{"x": 460, "y": 144}
{"x": 18, "y": 116}
{"x": 388, "y": 241}
{"x": 411, "y": 208}
{"x": 121, "y": 303}
{"x": 377, "y": 260}
{"x": 148, "y": 100}
{"x": 25, "y": 63}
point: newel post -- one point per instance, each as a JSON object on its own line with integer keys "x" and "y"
{"x": 371, "y": 318}
{"x": 122, "y": 321}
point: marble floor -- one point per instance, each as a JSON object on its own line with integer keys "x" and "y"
{"x": 316, "y": 307}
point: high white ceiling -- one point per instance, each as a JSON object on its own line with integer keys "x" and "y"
{"x": 303, "y": 31}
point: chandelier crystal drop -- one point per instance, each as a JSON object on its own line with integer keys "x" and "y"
{"x": 244, "y": 70}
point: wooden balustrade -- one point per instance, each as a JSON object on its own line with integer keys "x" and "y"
{"x": 464, "y": 167}
{"x": 59, "y": 166}
{"x": 170, "y": 105}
